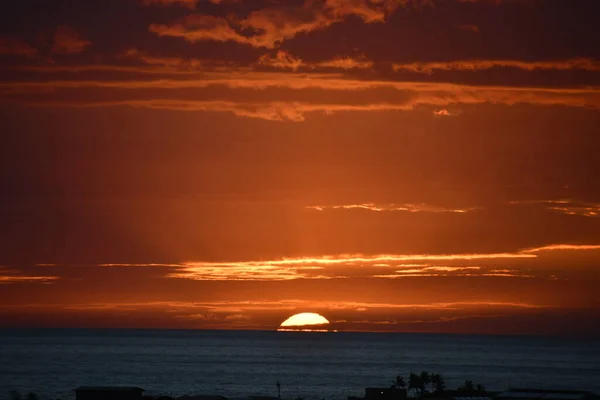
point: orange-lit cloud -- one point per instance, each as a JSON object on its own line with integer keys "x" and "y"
{"x": 191, "y": 4}
{"x": 368, "y": 10}
{"x": 294, "y": 112}
{"x": 330, "y": 267}
{"x": 568, "y": 207}
{"x": 68, "y": 41}
{"x": 165, "y": 66}
{"x": 325, "y": 81}
{"x": 284, "y": 60}
{"x": 413, "y": 208}
{"x": 200, "y": 27}
{"x": 171, "y": 64}
{"x": 470, "y": 28}
{"x": 317, "y": 262}
{"x": 445, "y": 113}
{"x": 408, "y": 95}
{"x": 584, "y": 64}
{"x": 245, "y": 272}
{"x": 185, "y": 3}
{"x": 243, "y": 307}
{"x": 563, "y": 247}
{"x": 346, "y": 63}
{"x": 14, "y": 46}
{"x": 344, "y": 266}
{"x": 5, "y": 279}
{"x": 273, "y": 25}
{"x": 281, "y": 59}
{"x": 8, "y": 276}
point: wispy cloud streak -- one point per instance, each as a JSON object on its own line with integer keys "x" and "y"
{"x": 324, "y": 267}
{"x": 584, "y": 64}
{"x": 344, "y": 266}
{"x": 563, "y": 247}
{"x": 566, "y": 206}
{"x": 409, "y": 94}
{"x": 412, "y": 208}
{"x": 11, "y": 276}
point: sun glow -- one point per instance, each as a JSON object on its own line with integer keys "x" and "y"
{"x": 304, "y": 322}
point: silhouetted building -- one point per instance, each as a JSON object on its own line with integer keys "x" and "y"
{"x": 108, "y": 393}
{"x": 540, "y": 394}
{"x": 385, "y": 393}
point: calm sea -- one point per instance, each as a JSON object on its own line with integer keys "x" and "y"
{"x": 310, "y": 365}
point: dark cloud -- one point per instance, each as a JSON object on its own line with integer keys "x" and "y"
{"x": 14, "y": 46}
{"x": 68, "y": 41}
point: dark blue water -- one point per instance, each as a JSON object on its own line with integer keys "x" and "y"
{"x": 312, "y": 365}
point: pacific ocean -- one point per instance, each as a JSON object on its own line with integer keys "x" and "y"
{"x": 52, "y": 362}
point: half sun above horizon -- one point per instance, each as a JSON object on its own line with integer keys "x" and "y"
{"x": 302, "y": 320}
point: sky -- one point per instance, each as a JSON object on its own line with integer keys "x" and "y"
{"x": 393, "y": 165}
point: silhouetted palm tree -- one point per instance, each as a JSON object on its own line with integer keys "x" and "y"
{"x": 468, "y": 387}
{"x": 399, "y": 383}
{"x": 424, "y": 379}
{"x": 437, "y": 383}
{"x": 414, "y": 383}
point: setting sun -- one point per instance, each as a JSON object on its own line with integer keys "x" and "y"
{"x": 304, "y": 319}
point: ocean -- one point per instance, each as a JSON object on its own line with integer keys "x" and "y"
{"x": 52, "y": 363}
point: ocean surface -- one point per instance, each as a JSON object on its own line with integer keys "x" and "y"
{"x": 310, "y": 365}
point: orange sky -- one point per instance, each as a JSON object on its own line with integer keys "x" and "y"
{"x": 415, "y": 165}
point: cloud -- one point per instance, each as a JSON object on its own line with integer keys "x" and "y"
{"x": 329, "y": 267}
{"x": 563, "y": 247}
{"x": 284, "y": 60}
{"x": 369, "y": 11}
{"x": 67, "y": 41}
{"x": 200, "y": 27}
{"x": 165, "y": 66}
{"x": 170, "y": 63}
{"x": 483, "y": 1}
{"x": 244, "y": 78}
{"x": 14, "y": 46}
{"x": 413, "y": 208}
{"x": 185, "y": 3}
{"x": 567, "y": 207}
{"x": 433, "y": 320}
{"x": 220, "y": 309}
{"x": 238, "y": 317}
{"x": 233, "y": 319}
{"x": 281, "y": 59}
{"x": 346, "y": 63}
{"x": 444, "y": 113}
{"x": 10, "y": 276}
{"x": 247, "y": 271}
{"x": 382, "y": 266}
{"x": 470, "y": 28}
{"x": 295, "y": 111}
{"x": 584, "y": 64}
{"x": 464, "y": 271}
{"x": 191, "y": 4}
{"x": 278, "y": 96}
{"x": 269, "y": 27}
